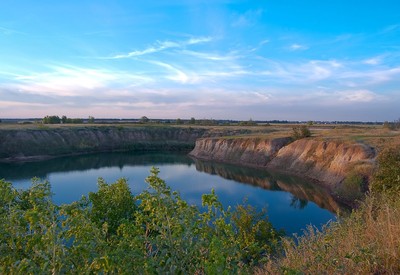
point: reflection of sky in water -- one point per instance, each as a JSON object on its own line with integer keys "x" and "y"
{"x": 71, "y": 185}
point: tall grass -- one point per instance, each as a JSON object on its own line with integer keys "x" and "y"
{"x": 366, "y": 242}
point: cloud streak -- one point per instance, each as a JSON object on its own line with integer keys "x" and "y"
{"x": 297, "y": 47}
{"x": 164, "y": 45}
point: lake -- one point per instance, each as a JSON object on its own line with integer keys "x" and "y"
{"x": 292, "y": 203}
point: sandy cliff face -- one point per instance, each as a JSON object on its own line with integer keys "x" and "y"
{"x": 244, "y": 151}
{"x": 326, "y": 162}
{"x": 20, "y": 144}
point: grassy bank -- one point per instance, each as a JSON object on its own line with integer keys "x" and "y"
{"x": 366, "y": 242}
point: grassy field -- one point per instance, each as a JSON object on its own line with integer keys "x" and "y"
{"x": 375, "y": 135}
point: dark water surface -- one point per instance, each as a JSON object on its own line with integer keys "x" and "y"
{"x": 292, "y": 203}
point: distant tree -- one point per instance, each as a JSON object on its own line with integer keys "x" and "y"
{"x": 144, "y": 119}
{"x": 64, "y": 119}
{"x": 76, "y": 120}
{"x": 392, "y": 125}
{"x": 179, "y": 121}
{"x": 51, "y": 120}
{"x": 388, "y": 125}
{"x": 208, "y": 122}
{"x": 250, "y": 122}
{"x": 91, "y": 119}
{"x": 0, "y": 121}
{"x": 310, "y": 123}
{"x": 397, "y": 124}
{"x": 192, "y": 121}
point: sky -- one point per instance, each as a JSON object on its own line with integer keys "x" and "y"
{"x": 216, "y": 59}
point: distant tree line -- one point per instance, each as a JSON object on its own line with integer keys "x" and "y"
{"x": 250, "y": 122}
{"x": 65, "y": 120}
{"x": 392, "y": 125}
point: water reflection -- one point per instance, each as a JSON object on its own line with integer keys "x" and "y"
{"x": 41, "y": 169}
{"x": 302, "y": 191}
{"x": 292, "y": 203}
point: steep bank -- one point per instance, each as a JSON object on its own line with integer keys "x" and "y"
{"x": 328, "y": 162}
{"x": 23, "y": 144}
{"x": 244, "y": 151}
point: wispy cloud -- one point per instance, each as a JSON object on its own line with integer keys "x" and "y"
{"x": 14, "y": 104}
{"x": 8, "y": 31}
{"x": 373, "y": 61}
{"x": 305, "y": 72}
{"x": 391, "y": 28}
{"x": 177, "y": 74}
{"x": 164, "y": 45}
{"x": 352, "y": 96}
{"x": 369, "y": 77}
{"x": 248, "y": 18}
{"x": 298, "y": 47}
{"x": 212, "y": 56}
{"x": 74, "y": 81}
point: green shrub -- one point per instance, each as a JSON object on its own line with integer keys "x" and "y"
{"x": 351, "y": 189}
{"x": 113, "y": 231}
{"x": 387, "y": 175}
{"x": 300, "y": 132}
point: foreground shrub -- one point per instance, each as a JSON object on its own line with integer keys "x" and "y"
{"x": 387, "y": 175}
{"x": 351, "y": 189}
{"x": 112, "y": 231}
{"x": 367, "y": 242}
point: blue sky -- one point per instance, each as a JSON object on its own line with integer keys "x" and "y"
{"x": 220, "y": 59}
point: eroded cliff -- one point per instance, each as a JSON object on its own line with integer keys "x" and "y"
{"x": 16, "y": 144}
{"x": 244, "y": 151}
{"x": 328, "y": 162}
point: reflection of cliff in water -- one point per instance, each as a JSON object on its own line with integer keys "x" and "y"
{"x": 27, "y": 170}
{"x": 301, "y": 190}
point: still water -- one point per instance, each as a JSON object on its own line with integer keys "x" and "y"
{"x": 292, "y": 203}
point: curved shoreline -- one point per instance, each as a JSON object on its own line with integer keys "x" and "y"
{"x": 324, "y": 162}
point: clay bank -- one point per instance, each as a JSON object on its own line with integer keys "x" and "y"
{"x": 326, "y": 162}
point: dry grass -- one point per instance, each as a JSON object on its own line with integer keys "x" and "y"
{"x": 375, "y": 135}
{"x": 366, "y": 242}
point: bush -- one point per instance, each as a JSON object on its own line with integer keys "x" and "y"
{"x": 112, "y": 231}
{"x": 300, "y": 132}
{"x": 387, "y": 175}
{"x": 351, "y": 189}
